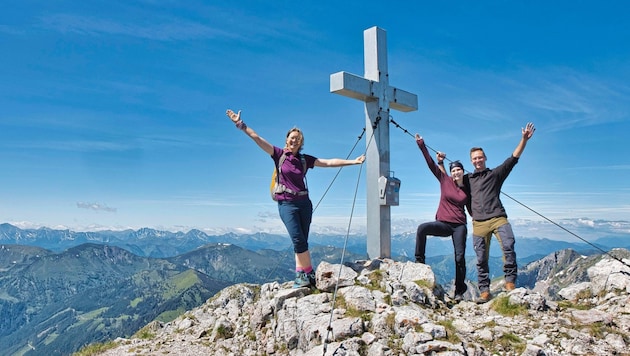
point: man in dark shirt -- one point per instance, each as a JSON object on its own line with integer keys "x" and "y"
{"x": 489, "y": 216}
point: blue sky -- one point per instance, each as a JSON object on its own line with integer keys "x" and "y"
{"x": 112, "y": 114}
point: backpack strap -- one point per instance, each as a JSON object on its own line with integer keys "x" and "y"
{"x": 281, "y": 188}
{"x": 283, "y": 156}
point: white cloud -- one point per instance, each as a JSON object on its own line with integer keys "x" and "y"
{"x": 96, "y": 207}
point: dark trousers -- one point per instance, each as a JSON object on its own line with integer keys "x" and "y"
{"x": 458, "y": 234}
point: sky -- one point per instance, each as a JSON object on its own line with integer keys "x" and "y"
{"x": 112, "y": 114}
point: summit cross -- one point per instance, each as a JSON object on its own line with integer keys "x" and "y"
{"x": 374, "y": 90}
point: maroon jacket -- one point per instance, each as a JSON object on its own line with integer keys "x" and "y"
{"x": 452, "y": 197}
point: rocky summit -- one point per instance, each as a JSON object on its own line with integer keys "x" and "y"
{"x": 382, "y": 307}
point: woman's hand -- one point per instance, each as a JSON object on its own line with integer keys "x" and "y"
{"x": 235, "y": 117}
{"x": 360, "y": 159}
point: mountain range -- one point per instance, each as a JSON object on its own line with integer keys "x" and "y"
{"x": 61, "y": 290}
{"x": 162, "y": 244}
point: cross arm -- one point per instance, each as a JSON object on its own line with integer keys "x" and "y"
{"x": 403, "y": 101}
{"x": 352, "y": 86}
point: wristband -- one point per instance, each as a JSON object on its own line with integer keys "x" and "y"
{"x": 241, "y": 125}
{"x": 441, "y": 162}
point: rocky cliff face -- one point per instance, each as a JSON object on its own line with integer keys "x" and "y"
{"x": 382, "y": 307}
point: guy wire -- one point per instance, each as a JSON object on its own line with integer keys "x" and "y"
{"x": 525, "y": 206}
{"x": 343, "y": 251}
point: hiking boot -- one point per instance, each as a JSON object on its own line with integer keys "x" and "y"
{"x": 458, "y": 298}
{"x": 301, "y": 280}
{"x": 509, "y": 286}
{"x": 484, "y": 297}
{"x": 420, "y": 260}
{"x": 311, "y": 278}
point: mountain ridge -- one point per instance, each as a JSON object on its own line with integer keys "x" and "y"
{"x": 385, "y": 307}
{"x": 150, "y": 242}
{"x": 107, "y": 289}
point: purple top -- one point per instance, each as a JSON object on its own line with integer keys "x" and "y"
{"x": 291, "y": 173}
{"x": 452, "y": 197}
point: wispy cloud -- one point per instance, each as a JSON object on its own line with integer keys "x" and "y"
{"x": 579, "y": 99}
{"x": 95, "y": 207}
{"x": 174, "y": 30}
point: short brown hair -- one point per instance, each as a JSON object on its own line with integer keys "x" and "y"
{"x": 477, "y": 149}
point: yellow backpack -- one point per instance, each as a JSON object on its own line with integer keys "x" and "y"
{"x": 275, "y": 187}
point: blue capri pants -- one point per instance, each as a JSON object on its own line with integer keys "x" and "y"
{"x": 296, "y": 216}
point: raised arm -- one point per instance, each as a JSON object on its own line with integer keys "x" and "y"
{"x": 261, "y": 142}
{"x": 437, "y": 169}
{"x": 440, "y": 156}
{"x": 527, "y": 133}
{"x": 338, "y": 162}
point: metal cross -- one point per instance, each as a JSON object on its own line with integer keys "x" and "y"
{"x": 379, "y": 97}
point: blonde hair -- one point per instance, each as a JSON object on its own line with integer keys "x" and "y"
{"x": 301, "y": 137}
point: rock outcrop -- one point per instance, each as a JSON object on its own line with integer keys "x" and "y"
{"x": 382, "y": 307}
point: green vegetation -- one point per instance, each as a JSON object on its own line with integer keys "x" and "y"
{"x": 181, "y": 282}
{"x": 565, "y": 304}
{"x": 95, "y": 349}
{"x": 395, "y": 344}
{"x": 503, "y": 306}
{"x": 451, "y": 336}
{"x": 134, "y": 302}
{"x": 506, "y": 344}
{"x": 600, "y": 330}
{"x": 94, "y": 293}
{"x": 390, "y": 321}
{"x": 144, "y": 334}
{"x": 351, "y": 311}
{"x": 510, "y": 341}
{"x": 224, "y": 332}
{"x": 170, "y": 315}
{"x": 422, "y": 283}
{"x": 583, "y": 294}
{"x": 375, "y": 278}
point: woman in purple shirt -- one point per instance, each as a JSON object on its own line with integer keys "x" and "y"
{"x": 450, "y": 216}
{"x": 294, "y": 204}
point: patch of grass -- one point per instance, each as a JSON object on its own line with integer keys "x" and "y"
{"x": 224, "y": 332}
{"x": 390, "y": 321}
{"x": 341, "y": 303}
{"x": 424, "y": 284}
{"x": 600, "y": 330}
{"x": 134, "y": 303}
{"x": 503, "y": 306}
{"x": 583, "y": 294}
{"x": 374, "y": 280}
{"x": 144, "y": 334}
{"x": 95, "y": 349}
{"x": 395, "y": 344}
{"x": 566, "y": 304}
{"x": 170, "y": 315}
{"x": 181, "y": 282}
{"x": 510, "y": 341}
{"x": 451, "y": 336}
{"x": 191, "y": 316}
{"x": 251, "y": 335}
